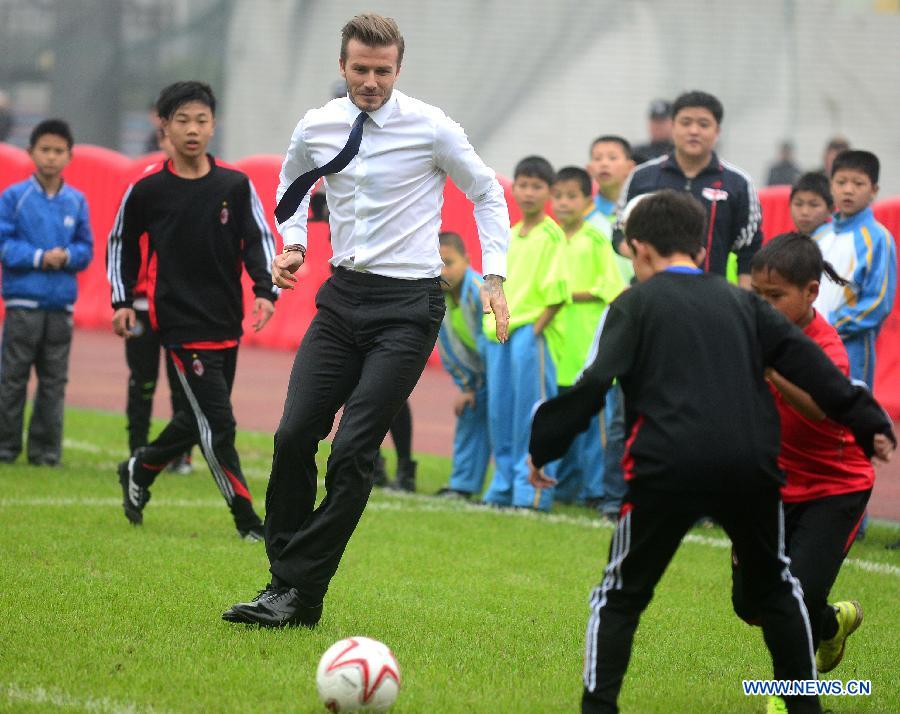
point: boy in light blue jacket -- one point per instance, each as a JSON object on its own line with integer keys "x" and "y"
{"x": 863, "y": 252}
{"x": 460, "y": 347}
{"x": 45, "y": 239}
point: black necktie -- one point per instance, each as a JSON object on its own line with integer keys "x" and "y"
{"x": 291, "y": 199}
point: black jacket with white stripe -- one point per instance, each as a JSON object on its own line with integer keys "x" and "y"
{"x": 732, "y": 206}
{"x": 200, "y": 232}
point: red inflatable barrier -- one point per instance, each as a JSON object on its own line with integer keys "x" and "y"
{"x": 775, "y": 202}
{"x": 102, "y": 175}
{"x": 887, "y": 349}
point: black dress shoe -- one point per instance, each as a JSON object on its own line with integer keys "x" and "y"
{"x": 275, "y": 607}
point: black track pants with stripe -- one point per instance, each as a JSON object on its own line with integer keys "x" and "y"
{"x": 647, "y": 535}
{"x": 142, "y": 356}
{"x": 818, "y": 536}
{"x": 205, "y": 418}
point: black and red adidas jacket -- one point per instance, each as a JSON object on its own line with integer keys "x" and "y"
{"x": 199, "y": 233}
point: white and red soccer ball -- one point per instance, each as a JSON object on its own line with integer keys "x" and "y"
{"x": 358, "y": 674}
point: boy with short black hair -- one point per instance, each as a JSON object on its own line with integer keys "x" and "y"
{"x": 691, "y": 353}
{"x": 864, "y": 254}
{"x": 594, "y": 282}
{"x": 45, "y": 240}
{"x": 460, "y": 346}
{"x": 204, "y": 223}
{"x": 609, "y": 165}
{"x": 521, "y": 372}
{"x": 811, "y": 203}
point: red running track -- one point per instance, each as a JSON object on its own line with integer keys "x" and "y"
{"x": 98, "y": 376}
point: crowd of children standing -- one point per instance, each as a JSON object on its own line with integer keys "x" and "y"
{"x": 564, "y": 270}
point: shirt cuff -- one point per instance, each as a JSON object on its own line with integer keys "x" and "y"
{"x": 294, "y": 235}
{"x": 493, "y": 265}
{"x": 38, "y": 257}
{"x": 68, "y": 257}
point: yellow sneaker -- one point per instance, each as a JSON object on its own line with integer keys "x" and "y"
{"x": 849, "y": 616}
{"x": 776, "y": 705}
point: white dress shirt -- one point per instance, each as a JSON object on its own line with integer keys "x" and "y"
{"x": 385, "y": 206}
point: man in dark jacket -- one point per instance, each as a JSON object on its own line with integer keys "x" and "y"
{"x": 733, "y": 213}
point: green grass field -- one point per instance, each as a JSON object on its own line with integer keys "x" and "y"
{"x": 484, "y": 609}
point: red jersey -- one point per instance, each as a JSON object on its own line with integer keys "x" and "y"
{"x": 820, "y": 458}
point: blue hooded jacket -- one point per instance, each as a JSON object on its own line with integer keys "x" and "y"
{"x": 31, "y": 222}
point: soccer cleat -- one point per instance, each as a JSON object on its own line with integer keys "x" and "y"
{"x": 849, "y": 615}
{"x": 253, "y": 534}
{"x": 274, "y": 607}
{"x": 776, "y": 705}
{"x": 134, "y": 496}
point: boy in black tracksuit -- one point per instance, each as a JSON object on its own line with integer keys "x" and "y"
{"x": 690, "y": 351}
{"x": 203, "y": 223}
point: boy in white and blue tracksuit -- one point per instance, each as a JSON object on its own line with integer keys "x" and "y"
{"x": 45, "y": 239}
{"x": 863, "y": 252}
{"x": 460, "y": 346}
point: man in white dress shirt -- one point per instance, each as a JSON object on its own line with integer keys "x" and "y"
{"x": 385, "y": 157}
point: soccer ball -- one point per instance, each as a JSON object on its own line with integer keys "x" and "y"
{"x": 358, "y": 674}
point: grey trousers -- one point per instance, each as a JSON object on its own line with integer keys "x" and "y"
{"x": 38, "y": 338}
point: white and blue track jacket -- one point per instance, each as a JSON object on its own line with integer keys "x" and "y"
{"x": 863, "y": 252}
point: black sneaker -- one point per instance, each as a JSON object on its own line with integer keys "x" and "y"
{"x": 274, "y": 607}
{"x": 453, "y": 494}
{"x": 253, "y": 534}
{"x": 379, "y": 472}
{"x": 134, "y": 496}
{"x": 406, "y": 476}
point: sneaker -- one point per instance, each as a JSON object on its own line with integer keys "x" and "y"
{"x": 776, "y": 705}
{"x": 48, "y": 461}
{"x": 379, "y": 472}
{"x": 406, "y": 476}
{"x": 181, "y": 466}
{"x": 253, "y": 534}
{"x": 134, "y": 496}
{"x": 453, "y": 494}
{"x": 849, "y": 616}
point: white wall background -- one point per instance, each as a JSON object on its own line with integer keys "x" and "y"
{"x": 532, "y": 76}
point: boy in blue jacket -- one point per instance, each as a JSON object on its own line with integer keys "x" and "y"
{"x": 862, "y": 251}
{"x": 460, "y": 348}
{"x": 45, "y": 239}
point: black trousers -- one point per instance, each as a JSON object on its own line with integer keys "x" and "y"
{"x": 365, "y": 349}
{"x": 40, "y": 339}
{"x": 818, "y": 535}
{"x": 205, "y": 418}
{"x": 142, "y": 356}
{"x": 648, "y": 533}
